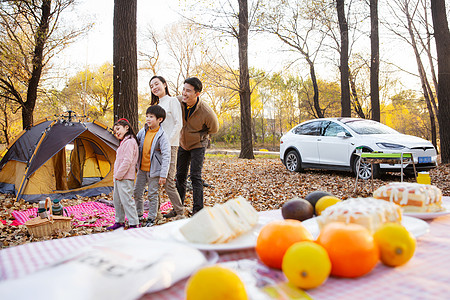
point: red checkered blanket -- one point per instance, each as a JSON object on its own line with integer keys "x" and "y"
{"x": 93, "y": 214}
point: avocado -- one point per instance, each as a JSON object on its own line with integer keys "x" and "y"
{"x": 297, "y": 209}
{"x": 313, "y": 197}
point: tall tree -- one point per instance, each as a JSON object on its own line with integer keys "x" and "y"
{"x": 244, "y": 84}
{"x": 343, "y": 66}
{"x": 300, "y": 26}
{"x": 224, "y": 19}
{"x": 442, "y": 38}
{"x": 31, "y": 35}
{"x": 411, "y": 21}
{"x": 125, "y": 62}
{"x": 374, "y": 61}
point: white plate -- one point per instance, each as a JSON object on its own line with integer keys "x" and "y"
{"x": 430, "y": 215}
{"x": 245, "y": 241}
{"x": 416, "y": 226}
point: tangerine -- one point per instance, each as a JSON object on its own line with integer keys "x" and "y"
{"x": 352, "y": 249}
{"x": 276, "y": 237}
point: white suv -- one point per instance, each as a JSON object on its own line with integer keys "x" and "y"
{"x": 330, "y": 143}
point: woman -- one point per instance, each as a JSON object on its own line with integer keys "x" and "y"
{"x": 171, "y": 126}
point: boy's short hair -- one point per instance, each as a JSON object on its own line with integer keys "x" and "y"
{"x": 156, "y": 110}
{"x": 195, "y": 82}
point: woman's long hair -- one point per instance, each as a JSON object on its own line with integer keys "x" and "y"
{"x": 155, "y": 99}
{"x": 124, "y": 122}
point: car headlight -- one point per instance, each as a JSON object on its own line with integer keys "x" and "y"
{"x": 390, "y": 146}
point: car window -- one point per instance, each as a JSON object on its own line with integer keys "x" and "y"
{"x": 311, "y": 128}
{"x": 369, "y": 127}
{"x": 330, "y": 128}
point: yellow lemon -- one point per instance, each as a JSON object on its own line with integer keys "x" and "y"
{"x": 306, "y": 265}
{"x": 215, "y": 283}
{"x": 324, "y": 202}
{"x": 396, "y": 244}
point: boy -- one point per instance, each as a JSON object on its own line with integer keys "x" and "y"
{"x": 153, "y": 163}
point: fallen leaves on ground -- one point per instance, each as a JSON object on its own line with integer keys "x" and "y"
{"x": 265, "y": 182}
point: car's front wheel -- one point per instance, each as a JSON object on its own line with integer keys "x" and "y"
{"x": 293, "y": 162}
{"x": 365, "y": 169}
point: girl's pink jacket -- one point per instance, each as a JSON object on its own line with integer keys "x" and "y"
{"x": 126, "y": 159}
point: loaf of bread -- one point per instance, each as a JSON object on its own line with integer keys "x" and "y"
{"x": 220, "y": 223}
{"x": 368, "y": 212}
{"x": 412, "y": 197}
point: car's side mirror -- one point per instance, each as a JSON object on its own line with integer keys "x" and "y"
{"x": 341, "y": 134}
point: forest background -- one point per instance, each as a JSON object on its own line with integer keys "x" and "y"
{"x": 295, "y": 51}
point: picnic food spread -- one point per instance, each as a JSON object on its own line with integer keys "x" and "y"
{"x": 368, "y": 212}
{"x": 412, "y": 197}
{"x": 220, "y": 223}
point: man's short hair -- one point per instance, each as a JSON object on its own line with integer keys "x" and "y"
{"x": 157, "y": 111}
{"x": 195, "y": 82}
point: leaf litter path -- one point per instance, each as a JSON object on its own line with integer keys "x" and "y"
{"x": 265, "y": 182}
{"x": 268, "y": 184}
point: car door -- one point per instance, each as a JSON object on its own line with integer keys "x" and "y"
{"x": 306, "y": 141}
{"x": 334, "y": 149}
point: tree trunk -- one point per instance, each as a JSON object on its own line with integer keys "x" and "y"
{"x": 442, "y": 38}
{"x": 357, "y": 106}
{"x": 345, "y": 87}
{"x": 255, "y": 135}
{"x": 428, "y": 96}
{"x": 427, "y": 93}
{"x": 5, "y": 125}
{"x": 432, "y": 118}
{"x": 263, "y": 129}
{"x": 431, "y": 63}
{"x": 125, "y": 62}
{"x": 244, "y": 84}
{"x": 374, "y": 61}
{"x": 312, "y": 72}
{"x": 40, "y": 38}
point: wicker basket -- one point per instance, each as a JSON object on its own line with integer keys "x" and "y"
{"x": 40, "y": 227}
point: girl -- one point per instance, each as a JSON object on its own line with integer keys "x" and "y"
{"x": 172, "y": 127}
{"x": 124, "y": 175}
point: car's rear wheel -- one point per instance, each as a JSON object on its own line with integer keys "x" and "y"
{"x": 365, "y": 169}
{"x": 293, "y": 162}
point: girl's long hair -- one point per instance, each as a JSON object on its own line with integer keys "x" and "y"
{"x": 124, "y": 122}
{"x": 155, "y": 99}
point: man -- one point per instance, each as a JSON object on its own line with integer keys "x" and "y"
{"x": 199, "y": 121}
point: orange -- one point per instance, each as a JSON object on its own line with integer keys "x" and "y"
{"x": 276, "y": 237}
{"x": 352, "y": 249}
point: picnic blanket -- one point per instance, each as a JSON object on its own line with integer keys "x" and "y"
{"x": 91, "y": 214}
